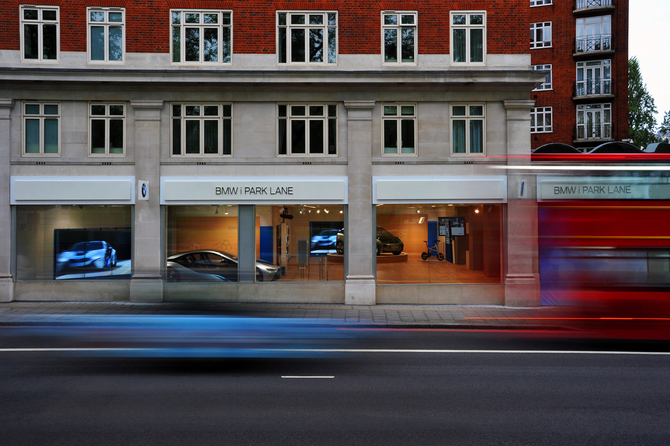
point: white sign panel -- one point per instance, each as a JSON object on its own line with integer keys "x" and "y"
{"x": 469, "y": 189}
{"x": 605, "y": 188}
{"x": 180, "y": 190}
{"x": 72, "y": 190}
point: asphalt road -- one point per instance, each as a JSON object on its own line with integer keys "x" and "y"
{"x": 500, "y": 388}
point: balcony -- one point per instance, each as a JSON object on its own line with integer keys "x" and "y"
{"x": 597, "y": 43}
{"x": 588, "y": 6}
{"x": 593, "y": 133}
{"x": 589, "y": 89}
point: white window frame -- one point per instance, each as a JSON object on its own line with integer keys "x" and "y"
{"x": 399, "y": 27}
{"x": 468, "y": 118}
{"x": 545, "y": 29}
{"x": 224, "y": 131}
{"x": 179, "y": 15}
{"x": 605, "y": 79}
{"x": 106, "y": 24}
{"x": 469, "y": 28}
{"x": 288, "y": 114}
{"x": 534, "y": 3}
{"x": 584, "y": 41}
{"x": 548, "y": 83}
{"x": 329, "y": 28}
{"x": 40, "y": 23}
{"x": 399, "y": 119}
{"x": 106, "y": 117}
{"x": 41, "y": 116}
{"x": 538, "y": 120}
{"x": 606, "y": 127}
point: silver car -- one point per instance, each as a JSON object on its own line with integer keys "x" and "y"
{"x": 220, "y": 264}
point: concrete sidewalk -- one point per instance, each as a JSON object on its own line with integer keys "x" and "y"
{"x": 447, "y": 316}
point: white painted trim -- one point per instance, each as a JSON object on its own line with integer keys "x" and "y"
{"x": 437, "y": 189}
{"x": 72, "y": 190}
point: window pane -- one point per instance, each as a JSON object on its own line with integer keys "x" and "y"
{"x": 390, "y": 136}
{"x": 176, "y": 110}
{"x": 210, "y": 45}
{"x": 97, "y": 16}
{"x": 332, "y": 137}
{"x": 227, "y": 137}
{"x": 316, "y": 45}
{"x": 30, "y": 14}
{"x": 390, "y": 19}
{"x": 32, "y": 136}
{"x": 391, "y": 45}
{"x": 281, "y": 51}
{"x": 97, "y": 43}
{"x": 316, "y": 110}
{"x": 298, "y": 110}
{"x": 476, "y": 136}
{"x": 211, "y": 110}
{"x": 477, "y": 19}
{"x": 297, "y": 45}
{"x": 115, "y": 43}
{"x": 225, "y": 18}
{"x": 192, "y": 110}
{"x": 316, "y": 19}
{"x": 406, "y": 110}
{"x": 192, "y": 43}
{"x": 211, "y": 137}
{"x": 116, "y": 110}
{"x": 210, "y": 18}
{"x": 476, "y": 110}
{"x": 332, "y": 45}
{"x": 297, "y": 19}
{"x": 225, "y": 45}
{"x": 459, "y": 136}
{"x": 332, "y": 19}
{"x": 192, "y": 137}
{"x": 49, "y": 14}
{"x": 459, "y": 19}
{"x": 407, "y": 135}
{"x": 32, "y": 109}
{"x": 408, "y": 45}
{"x": 176, "y": 136}
{"x": 49, "y": 42}
{"x": 316, "y": 136}
{"x": 116, "y": 17}
{"x": 332, "y": 110}
{"x": 98, "y": 110}
{"x": 176, "y": 44}
{"x": 407, "y": 19}
{"x": 192, "y": 18}
{"x": 98, "y": 136}
{"x": 176, "y": 18}
{"x": 51, "y": 136}
{"x": 116, "y": 136}
{"x": 281, "y": 134}
{"x": 51, "y": 109}
{"x": 298, "y": 136}
{"x": 31, "y": 42}
{"x": 282, "y": 18}
{"x": 459, "y": 45}
{"x": 390, "y": 110}
{"x": 476, "y": 45}
{"x": 281, "y": 110}
{"x": 458, "y": 110}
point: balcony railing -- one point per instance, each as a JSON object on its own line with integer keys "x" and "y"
{"x": 586, "y": 132}
{"x": 582, "y": 4}
{"x": 594, "y": 43}
{"x": 592, "y": 88}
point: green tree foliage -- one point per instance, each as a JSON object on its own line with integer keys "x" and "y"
{"x": 664, "y": 129}
{"x": 641, "y": 108}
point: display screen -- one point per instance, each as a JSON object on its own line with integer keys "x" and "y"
{"x": 92, "y": 253}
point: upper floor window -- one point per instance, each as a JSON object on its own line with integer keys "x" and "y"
{"x": 547, "y": 85}
{"x": 399, "y": 127}
{"x": 541, "y": 2}
{"x": 201, "y": 129}
{"x": 40, "y": 36}
{"x": 594, "y": 77}
{"x": 468, "y": 37}
{"x": 307, "y": 129}
{"x": 203, "y": 37}
{"x": 106, "y": 29}
{"x": 107, "y": 127}
{"x": 594, "y": 34}
{"x": 594, "y": 121}
{"x": 399, "y": 37}
{"x": 307, "y": 37}
{"x": 41, "y": 129}
{"x": 581, "y": 4}
{"x": 468, "y": 129}
{"x": 541, "y": 120}
{"x": 540, "y": 35}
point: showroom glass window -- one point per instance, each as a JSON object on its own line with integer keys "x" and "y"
{"x": 548, "y": 83}
{"x": 201, "y": 37}
{"x": 65, "y": 242}
{"x": 201, "y": 129}
{"x": 399, "y": 34}
{"x": 468, "y": 127}
{"x": 106, "y": 34}
{"x": 541, "y": 120}
{"x": 307, "y": 129}
{"x": 399, "y": 129}
{"x": 468, "y": 37}
{"x": 40, "y": 32}
{"x": 540, "y": 35}
{"x": 41, "y": 129}
{"x": 307, "y": 38}
{"x": 431, "y": 243}
{"x": 107, "y": 128}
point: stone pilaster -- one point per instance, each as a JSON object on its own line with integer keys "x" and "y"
{"x": 522, "y": 281}
{"x": 146, "y": 284}
{"x": 360, "y": 283}
{"x": 6, "y": 280}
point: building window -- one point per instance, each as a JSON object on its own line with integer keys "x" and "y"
{"x": 399, "y": 129}
{"x": 540, "y": 35}
{"x": 468, "y": 37}
{"x": 468, "y": 128}
{"x": 594, "y": 121}
{"x": 541, "y": 2}
{"x": 581, "y": 4}
{"x": 594, "y": 77}
{"x": 107, "y": 129}
{"x": 594, "y": 34}
{"x": 307, "y": 37}
{"x": 547, "y": 85}
{"x": 541, "y": 120}
{"x": 399, "y": 37}
{"x": 41, "y": 129}
{"x": 203, "y": 37}
{"x": 307, "y": 129}
{"x": 40, "y": 36}
{"x": 106, "y": 34}
{"x": 201, "y": 129}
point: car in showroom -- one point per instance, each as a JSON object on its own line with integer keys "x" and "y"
{"x": 325, "y": 240}
{"x": 386, "y": 242}
{"x": 217, "y": 263}
{"x": 87, "y": 256}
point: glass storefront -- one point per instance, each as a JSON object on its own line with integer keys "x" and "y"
{"x": 73, "y": 242}
{"x": 439, "y": 243}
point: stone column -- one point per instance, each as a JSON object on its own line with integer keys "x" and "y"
{"x": 146, "y": 284}
{"x": 522, "y": 281}
{"x": 6, "y": 281}
{"x": 360, "y": 281}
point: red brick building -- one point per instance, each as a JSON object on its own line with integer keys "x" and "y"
{"x": 584, "y": 45}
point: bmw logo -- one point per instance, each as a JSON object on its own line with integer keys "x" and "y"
{"x": 144, "y": 190}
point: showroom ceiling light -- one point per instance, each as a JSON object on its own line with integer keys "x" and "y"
{"x": 422, "y": 219}
{"x": 326, "y": 210}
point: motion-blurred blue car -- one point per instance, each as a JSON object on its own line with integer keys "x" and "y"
{"x": 87, "y": 255}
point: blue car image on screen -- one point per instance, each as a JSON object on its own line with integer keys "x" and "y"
{"x": 87, "y": 255}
